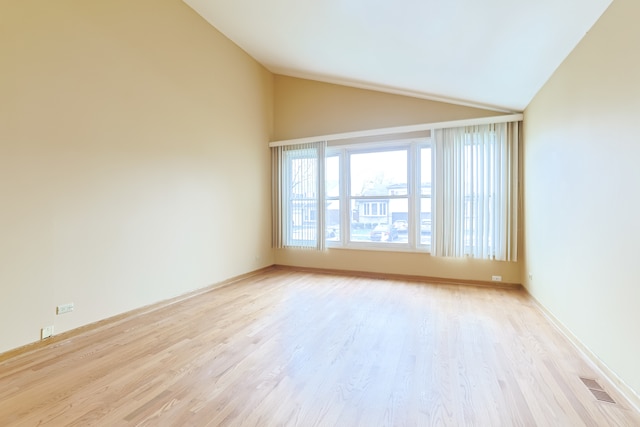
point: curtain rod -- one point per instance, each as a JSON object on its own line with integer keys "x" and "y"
{"x": 401, "y": 129}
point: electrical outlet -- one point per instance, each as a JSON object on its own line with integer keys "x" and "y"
{"x": 46, "y": 332}
{"x": 64, "y": 308}
{"x": 496, "y": 278}
{"x": 530, "y": 276}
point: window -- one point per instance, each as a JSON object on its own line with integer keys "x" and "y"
{"x": 454, "y": 194}
{"x": 369, "y": 193}
{"x": 298, "y": 192}
{"x": 372, "y": 175}
{"x": 303, "y": 202}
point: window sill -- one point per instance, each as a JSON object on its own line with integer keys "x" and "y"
{"x": 391, "y": 247}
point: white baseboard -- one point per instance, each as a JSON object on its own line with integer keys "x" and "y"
{"x": 628, "y": 393}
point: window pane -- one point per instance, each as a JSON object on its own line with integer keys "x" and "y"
{"x": 425, "y": 190}
{"x": 303, "y": 172}
{"x": 425, "y": 171}
{"x": 332, "y": 233}
{"x": 377, "y": 173}
{"x": 389, "y": 224}
{"x": 302, "y": 194}
{"x": 332, "y": 176}
{"x": 425, "y": 221}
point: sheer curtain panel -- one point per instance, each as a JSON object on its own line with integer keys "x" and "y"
{"x": 476, "y": 192}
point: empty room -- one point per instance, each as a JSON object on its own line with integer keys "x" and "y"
{"x": 355, "y": 213}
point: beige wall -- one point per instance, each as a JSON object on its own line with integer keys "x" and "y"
{"x": 407, "y": 263}
{"x": 308, "y": 108}
{"x": 582, "y": 192}
{"x": 127, "y": 131}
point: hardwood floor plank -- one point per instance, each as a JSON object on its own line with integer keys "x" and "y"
{"x": 300, "y": 348}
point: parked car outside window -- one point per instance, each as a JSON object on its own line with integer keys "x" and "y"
{"x": 401, "y": 225}
{"x": 384, "y": 233}
{"x": 425, "y": 226}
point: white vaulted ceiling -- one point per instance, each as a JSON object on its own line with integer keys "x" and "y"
{"x": 491, "y": 53}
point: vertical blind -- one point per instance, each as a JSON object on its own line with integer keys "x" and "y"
{"x": 298, "y": 195}
{"x": 476, "y": 191}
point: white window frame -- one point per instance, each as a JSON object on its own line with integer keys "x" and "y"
{"x": 413, "y": 195}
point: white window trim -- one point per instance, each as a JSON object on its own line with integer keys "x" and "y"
{"x": 401, "y": 129}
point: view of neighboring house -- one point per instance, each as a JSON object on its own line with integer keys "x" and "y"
{"x": 371, "y": 212}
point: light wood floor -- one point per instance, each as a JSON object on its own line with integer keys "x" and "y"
{"x": 298, "y": 348}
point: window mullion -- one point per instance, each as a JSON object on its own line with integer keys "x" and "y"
{"x": 413, "y": 191}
